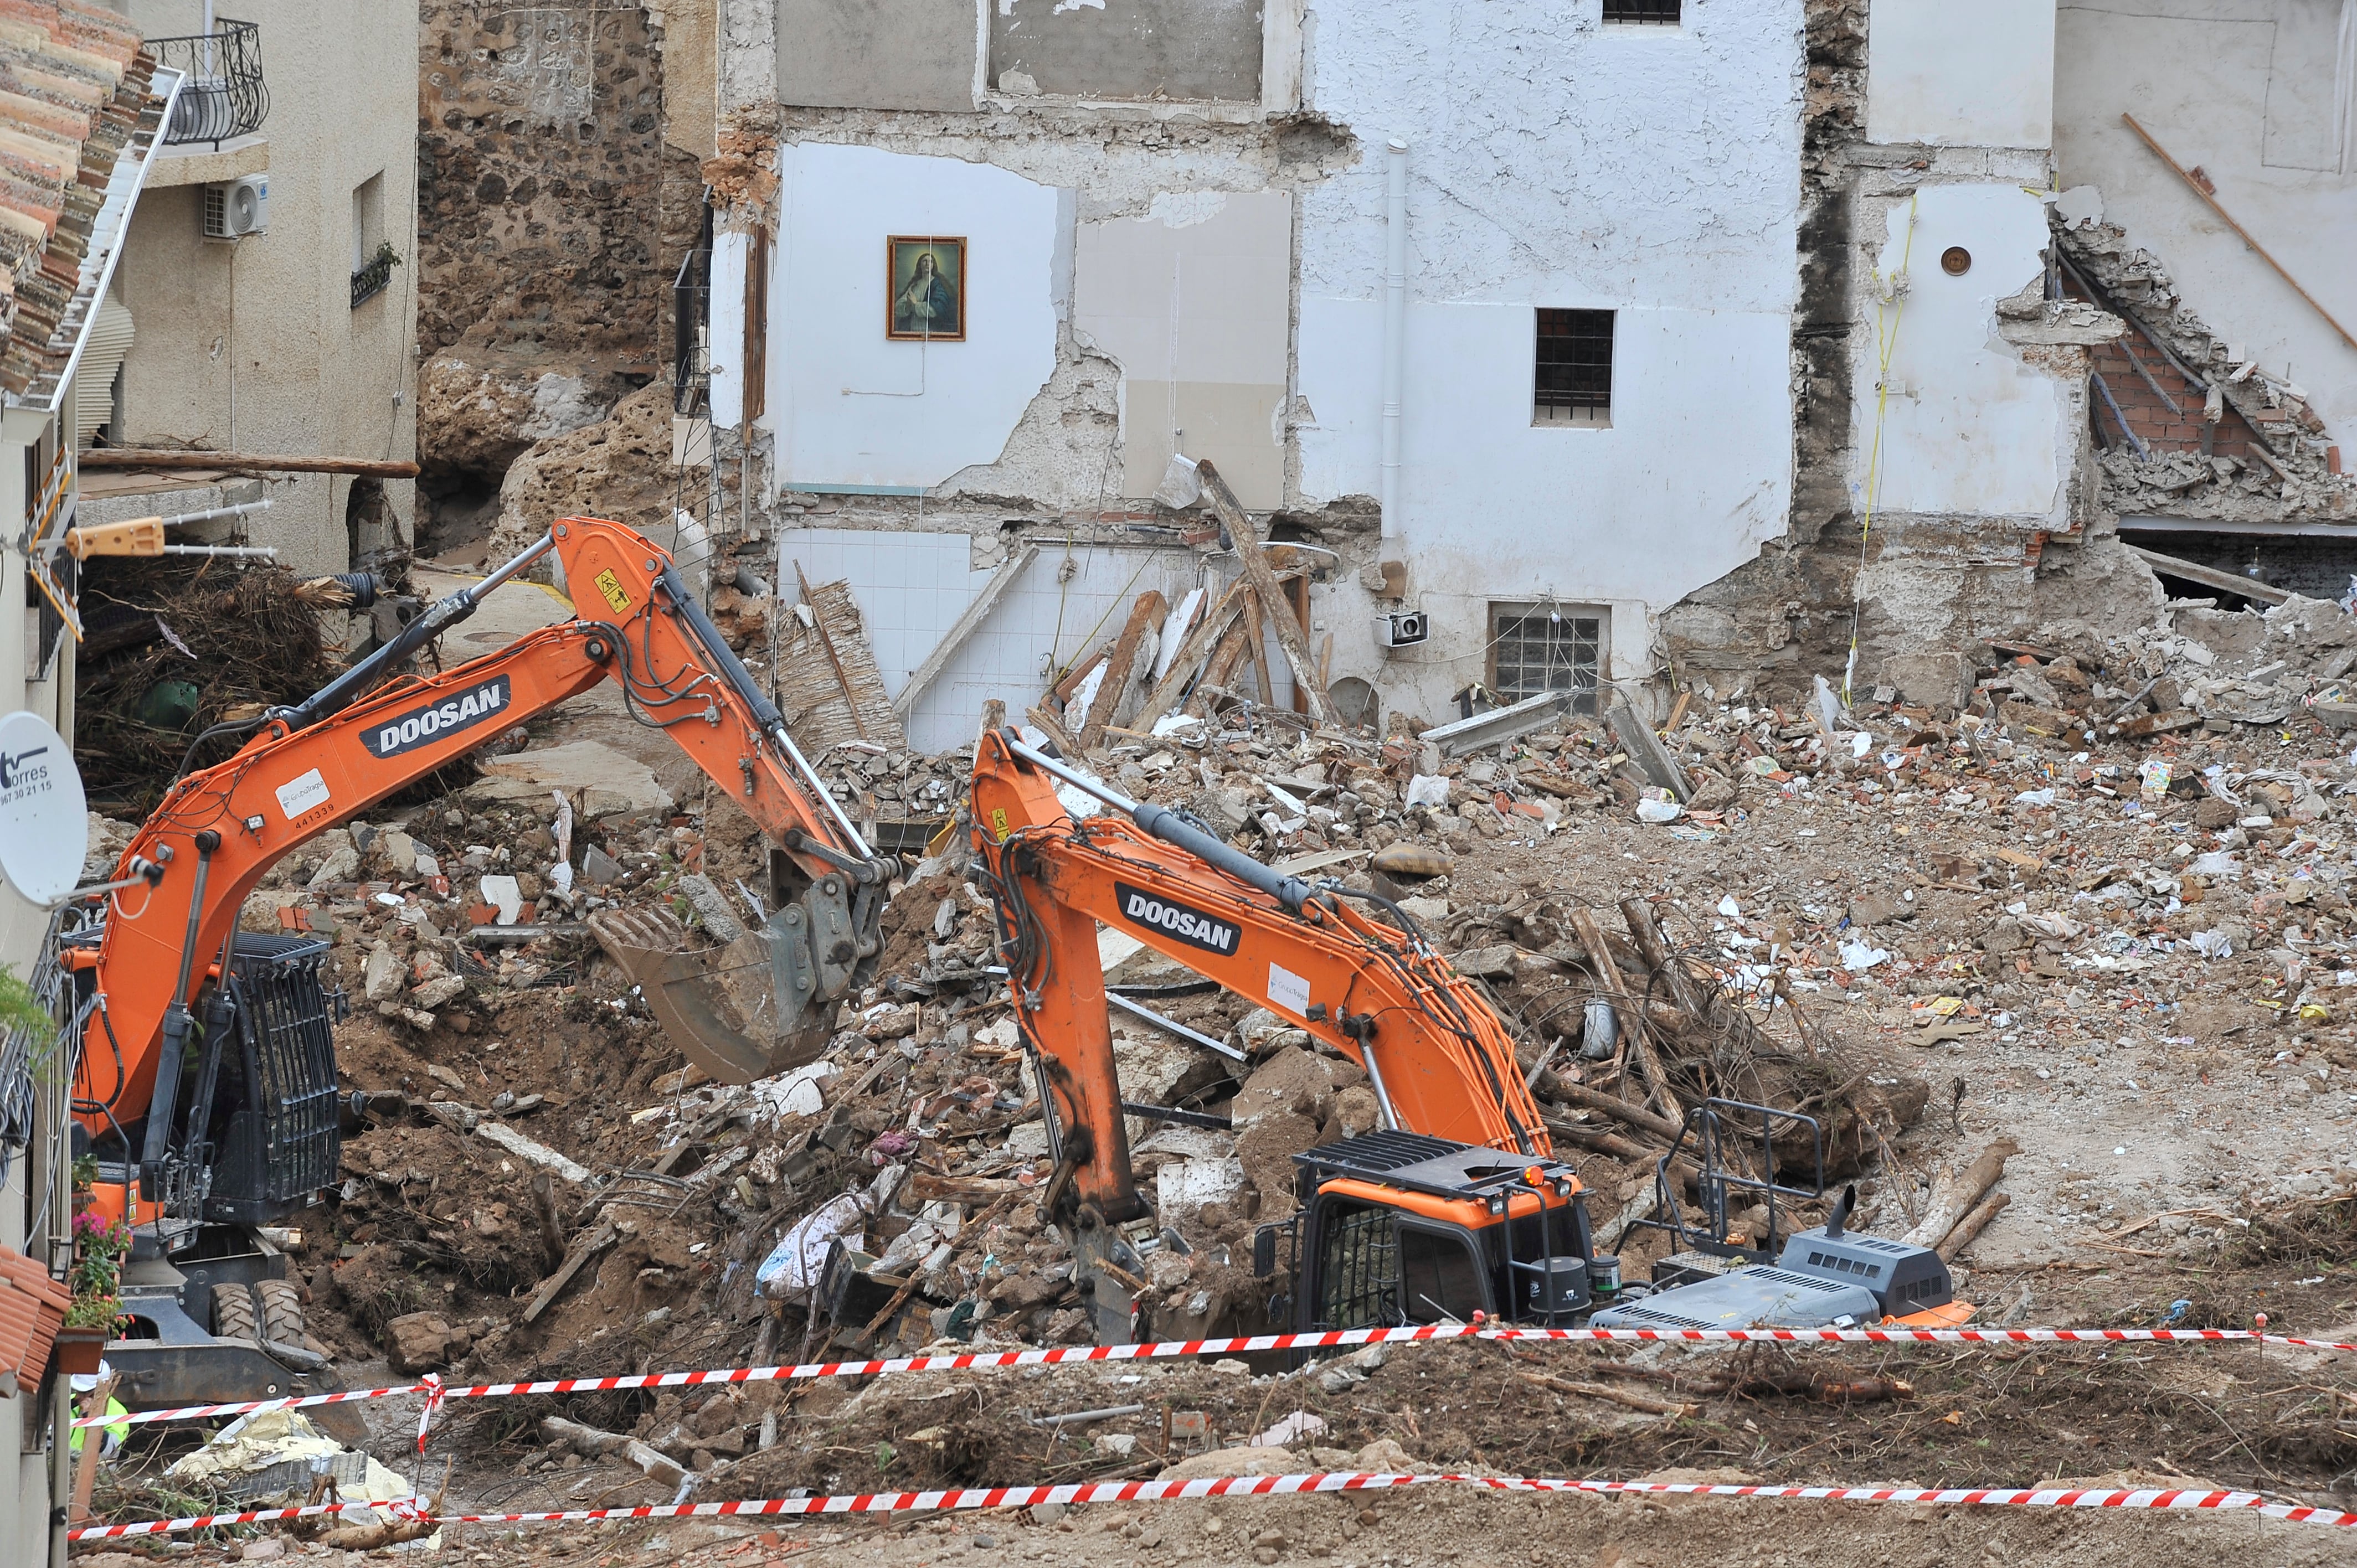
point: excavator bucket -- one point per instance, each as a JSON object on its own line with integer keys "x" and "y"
{"x": 720, "y": 1006}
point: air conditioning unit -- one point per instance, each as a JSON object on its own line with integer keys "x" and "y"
{"x": 237, "y": 208}
{"x": 1402, "y": 629}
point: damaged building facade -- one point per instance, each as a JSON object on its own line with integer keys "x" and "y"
{"x": 1588, "y": 345}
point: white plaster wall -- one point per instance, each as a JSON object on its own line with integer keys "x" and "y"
{"x": 732, "y": 251}
{"x": 2245, "y": 89}
{"x": 1977, "y": 75}
{"x": 1965, "y": 427}
{"x": 1554, "y": 161}
{"x": 1193, "y": 301}
{"x": 1693, "y": 473}
{"x": 848, "y": 407}
{"x": 256, "y": 346}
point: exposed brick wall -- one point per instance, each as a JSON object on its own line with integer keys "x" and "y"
{"x": 2147, "y": 408}
{"x": 551, "y": 215}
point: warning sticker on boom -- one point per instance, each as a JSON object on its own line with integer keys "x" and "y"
{"x": 306, "y": 793}
{"x": 611, "y": 587}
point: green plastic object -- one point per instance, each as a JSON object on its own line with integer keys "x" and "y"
{"x": 169, "y": 704}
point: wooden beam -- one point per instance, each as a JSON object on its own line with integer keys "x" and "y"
{"x": 1200, "y": 641}
{"x": 1225, "y": 657}
{"x": 584, "y": 1249}
{"x": 1260, "y": 653}
{"x": 955, "y": 637}
{"x": 142, "y": 458}
{"x": 2195, "y": 186}
{"x": 2210, "y": 577}
{"x": 1148, "y": 613}
{"x": 1291, "y": 635}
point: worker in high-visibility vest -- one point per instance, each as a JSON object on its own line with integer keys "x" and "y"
{"x": 112, "y": 1434}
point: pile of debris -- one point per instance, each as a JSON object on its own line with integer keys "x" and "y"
{"x": 174, "y": 646}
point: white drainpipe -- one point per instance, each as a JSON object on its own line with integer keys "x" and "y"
{"x": 1394, "y": 337}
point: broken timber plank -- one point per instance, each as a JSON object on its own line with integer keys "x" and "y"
{"x": 963, "y": 629}
{"x": 1226, "y": 657}
{"x": 137, "y": 458}
{"x": 1200, "y": 641}
{"x": 1147, "y": 615}
{"x": 589, "y": 1247}
{"x": 1049, "y": 724}
{"x": 1291, "y": 635}
{"x": 1260, "y": 654}
{"x": 2210, "y": 577}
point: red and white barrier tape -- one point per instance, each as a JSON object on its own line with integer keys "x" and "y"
{"x": 2150, "y": 1499}
{"x": 399, "y": 1508}
{"x": 978, "y": 1360}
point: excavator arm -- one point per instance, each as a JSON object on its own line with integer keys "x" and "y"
{"x": 322, "y": 762}
{"x": 1438, "y": 1058}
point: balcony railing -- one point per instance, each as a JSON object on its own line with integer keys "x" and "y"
{"x": 374, "y": 277}
{"x": 225, "y": 95}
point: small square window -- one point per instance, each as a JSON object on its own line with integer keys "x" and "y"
{"x": 1572, "y": 378}
{"x": 1643, "y": 12}
{"x": 1536, "y": 649}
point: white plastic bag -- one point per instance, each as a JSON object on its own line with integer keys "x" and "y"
{"x": 791, "y": 1271}
{"x": 1426, "y": 789}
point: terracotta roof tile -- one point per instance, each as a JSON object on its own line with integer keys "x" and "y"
{"x": 74, "y": 92}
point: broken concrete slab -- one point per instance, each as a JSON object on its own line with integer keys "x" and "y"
{"x": 1526, "y": 717}
{"x": 602, "y": 780}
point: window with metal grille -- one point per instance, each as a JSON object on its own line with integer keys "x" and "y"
{"x": 1546, "y": 647}
{"x": 1649, "y": 13}
{"x": 1573, "y": 381}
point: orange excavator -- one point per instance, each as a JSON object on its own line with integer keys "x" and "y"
{"x": 1451, "y": 1208}
{"x": 1453, "y": 1205}
{"x": 205, "y": 1087}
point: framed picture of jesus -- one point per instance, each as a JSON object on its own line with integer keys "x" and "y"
{"x": 925, "y": 280}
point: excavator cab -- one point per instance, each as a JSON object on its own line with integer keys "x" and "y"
{"x": 247, "y": 1136}
{"x": 1400, "y": 1227}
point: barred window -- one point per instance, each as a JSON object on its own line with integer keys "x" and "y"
{"x": 1648, "y": 12}
{"x": 1573, "y": 381}
{"x": 1536, "y": 649}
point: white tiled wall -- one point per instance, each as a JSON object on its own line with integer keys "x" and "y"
{"x": 911, "y": 588}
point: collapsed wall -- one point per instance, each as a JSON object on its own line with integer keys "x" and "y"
{"x": 2190, "y": 428}
{"x": 1946, "y": 489}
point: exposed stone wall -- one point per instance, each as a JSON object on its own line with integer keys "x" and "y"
{"x": 551, "y": 220}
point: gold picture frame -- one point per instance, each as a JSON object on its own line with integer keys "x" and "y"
{"x": 924, "y": 288}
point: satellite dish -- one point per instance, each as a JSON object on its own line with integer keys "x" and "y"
{"x": 44, "y": 823}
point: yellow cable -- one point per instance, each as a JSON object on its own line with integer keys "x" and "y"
{"x": 1886, "y": 343}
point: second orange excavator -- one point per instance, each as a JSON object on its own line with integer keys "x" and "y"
{"x": 1454, "y": 1207}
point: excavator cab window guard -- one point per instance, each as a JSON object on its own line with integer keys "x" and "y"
{"x": 1710, "y": 1129}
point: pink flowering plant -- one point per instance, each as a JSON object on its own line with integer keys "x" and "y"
{"x": 96, "y": 1278}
